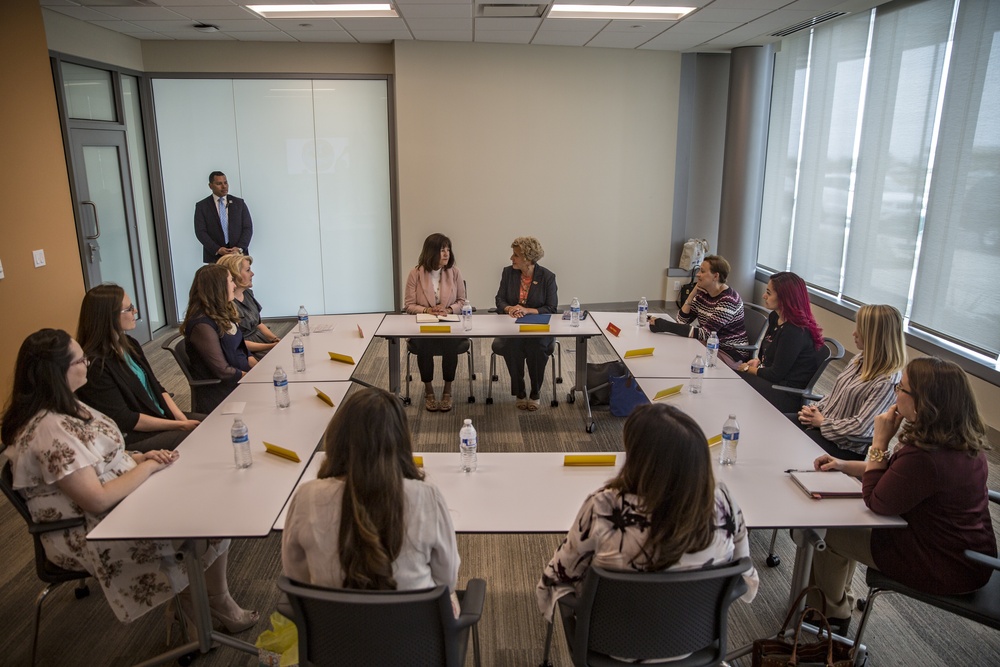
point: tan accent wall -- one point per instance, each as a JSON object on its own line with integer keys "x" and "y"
{"x": 34, "y": 188}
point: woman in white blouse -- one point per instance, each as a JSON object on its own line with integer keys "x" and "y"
{"x": 369, "y": 521}
{"x": 663, "y": 511}
{"x": 864, "y": 389}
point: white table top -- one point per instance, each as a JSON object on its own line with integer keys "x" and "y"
{"x": 484, "y": 325}
{"x": 343, "y": 339}
{"x": 769, "y": 444}
{"x": 203, "y": 494}
{"x": 509, "y": 492}
{"x": 672, "y": 355}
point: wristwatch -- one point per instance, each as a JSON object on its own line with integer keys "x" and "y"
{"x": 877, "y": 455}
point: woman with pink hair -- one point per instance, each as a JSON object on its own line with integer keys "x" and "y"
{"x": 788, "y": 351}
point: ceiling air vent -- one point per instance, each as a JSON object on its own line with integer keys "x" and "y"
{"x": 816, "y": 20}
{"x": 512, "y": 11}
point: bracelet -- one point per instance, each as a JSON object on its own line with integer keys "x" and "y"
{"x": 877, "y": 455}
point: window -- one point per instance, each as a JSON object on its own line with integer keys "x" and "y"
{"x": 882, "y": 182}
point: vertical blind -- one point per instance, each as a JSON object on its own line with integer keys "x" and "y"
{"x": 882, "y": 182}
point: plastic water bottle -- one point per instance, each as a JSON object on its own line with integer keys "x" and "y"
{"x": 467, "y": 316}
{"x": 241, "y": 443}
{"x": 281, "y": 398}
{"x": 730, "y": 439}
{"x": 643, "y": 312}
{"x": 697, "y": 374}
{"x": 713, "y": 348}
{"x": 303, "y": 321}
{"x": 467, "y": 443}
{"x": 574, "y": 312}
{"x": 298, "y": 354}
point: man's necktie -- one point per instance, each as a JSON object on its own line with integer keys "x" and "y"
{"x": 223, "y": 218}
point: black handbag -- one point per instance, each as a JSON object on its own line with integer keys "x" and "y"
{"x": 686, "y": 289}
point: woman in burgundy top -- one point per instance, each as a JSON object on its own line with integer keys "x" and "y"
{"x": 935, "y": 479}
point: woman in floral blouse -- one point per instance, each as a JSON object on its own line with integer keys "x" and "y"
{"x": 663, "y": 511}
{"x": 69, "y": 460}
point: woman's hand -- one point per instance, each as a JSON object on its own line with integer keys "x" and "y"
{"x": 810, "y": 416}
{"x": 691, "y": 297}
{"x": 751, "y": 366}
{"x": 827, "y": 462}
{"x": 161, "y": 457}
{"x": 187, "y": 424}
{"x": 520, "y": 311}
{"x": 886, "y": 426}
{"x": 439, "y": 310}
{"x": 252, "y": 360}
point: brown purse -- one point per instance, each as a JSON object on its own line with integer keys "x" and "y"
{"x": 780, "y": 651}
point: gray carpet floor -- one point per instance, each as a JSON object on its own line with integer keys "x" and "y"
{"x": 85, "y": 632}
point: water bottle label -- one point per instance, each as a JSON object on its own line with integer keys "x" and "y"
{"x": 240, "y": 439}
{"x": 281, "y": 383}
{"x": 298, "y": 350}
{"x": 699, "y": 370}
{"x": 713, "y": 346}
{"x": 732, "y": 438}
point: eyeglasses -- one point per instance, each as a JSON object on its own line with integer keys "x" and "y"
{"x": 130, "y": 309}
{"x": 82, "y": 360}
{"x": 899, "y": 388}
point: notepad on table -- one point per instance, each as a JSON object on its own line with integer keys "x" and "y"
{"x": 431, "y": 317}
{"x": 824, "y": 484}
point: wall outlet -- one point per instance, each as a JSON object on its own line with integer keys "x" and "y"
{"x": 677, "y": 286}
{"x": 39, "y": 257}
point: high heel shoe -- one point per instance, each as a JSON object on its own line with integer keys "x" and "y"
{"x": 222, "y": 614}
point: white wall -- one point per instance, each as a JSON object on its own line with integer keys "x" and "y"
{"x": 67, "y": 35}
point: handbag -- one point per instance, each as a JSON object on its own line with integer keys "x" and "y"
{"x": 625, "y": 395}
{"x": 599, "y": 380}
{"x": 685, "y": 291}
{"x": 693, "y": 254}
{"x": 780, "y": 651}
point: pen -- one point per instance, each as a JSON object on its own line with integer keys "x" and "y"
{"x": 794, "y": 470}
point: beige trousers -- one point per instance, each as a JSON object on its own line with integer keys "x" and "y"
{"x": 833, "y": 569}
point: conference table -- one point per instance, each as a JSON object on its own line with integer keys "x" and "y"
{"x": 492, "y": 325}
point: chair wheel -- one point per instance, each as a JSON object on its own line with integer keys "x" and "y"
{"x": 496, "y": 378}
{"x": 591, "y": 427}
{"x": 559, "y": 380}
{"x": 472, "y": 399}
{"x": 773, "y": 560}
{"x": 861, "y": 603}
{"x": 187, "y": 659}
{"x": 474, "y": 375}
{"x": 489, "y": 400}
{"x": 407, "y": 401}
{"x": 554, "y": 403}
{"x": 571, "y": 397}
{"x": 81, "y": 592}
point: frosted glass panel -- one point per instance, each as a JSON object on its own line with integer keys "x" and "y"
{"x": 104, "y": 188}
{"x": 89, "y": 93}
{"x": 311, "y": 159}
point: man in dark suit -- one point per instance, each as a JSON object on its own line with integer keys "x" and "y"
{"x": 222, "y": 222}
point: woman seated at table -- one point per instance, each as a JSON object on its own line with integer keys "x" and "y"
{"x": 369, "y": 521}
{"x": 256, "y": 335}
{"x": 526, "y": 288}
{"x": 69, "y": 460}
{"x": 120, "y": 382}
{"x": 435, "y": 286}
{"x": 662, "y": 511}
{"x": 788, "y": 351}
{"x": 711, "y": 306}
{"x": 864, "y": 389}
{"x": 935, "y": 479}
{"x": 214, "y": 343}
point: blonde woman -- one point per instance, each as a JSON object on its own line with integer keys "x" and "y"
{"x": 256, "y": 335}
{"x": 864, "y": 389}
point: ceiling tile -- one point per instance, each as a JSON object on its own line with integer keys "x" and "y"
{"x": 440, "y": 24}
{"x": 726, "y": 15}
{"x": 381, "y": 36}
{"x": 245, "y": 26}
{"x": 639, "y": 27}
{"x": 374, "y": 24}
{"x": 141, "y": 13}
{"x": 507, "y": 25}
{"x": 289, "y": 25}
{"x": 192, "y": 35}
{"x": 618, "y": 40}
{"x": 436, "y": 11}
{"x": 561, "y": 38}
{"x": 216, "y": 12}
{"x": 322, "y": 36}
{"x": 443, "y": 35}
{"x": 82, "y": 13}
{"x": 504, "y": 36}
{"x": 261, "y": 36}
{"x": 574, "y": 25}
{"x": 122, "y": 27}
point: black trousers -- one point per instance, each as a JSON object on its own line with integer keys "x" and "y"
{"x": 428, "y": 348}
{"x": 828, "y": 446}
{"x": 520, "y": 352}
{"x": 147, "y": 441}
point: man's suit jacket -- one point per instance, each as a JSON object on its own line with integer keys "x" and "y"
{"x": 208, "y": 228}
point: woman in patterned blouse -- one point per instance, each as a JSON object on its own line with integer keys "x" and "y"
{"x": 69, "y": 460}
{"x": 663, "y": 511}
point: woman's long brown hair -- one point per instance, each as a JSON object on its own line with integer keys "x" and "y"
{"x": 947, "y": 414}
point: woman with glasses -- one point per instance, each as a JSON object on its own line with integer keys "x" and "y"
{"x": 863, "y": 390}
{"x": 935, "y": 479}
{"x": 69, "y": 460}
{"x": 120, "y": 382}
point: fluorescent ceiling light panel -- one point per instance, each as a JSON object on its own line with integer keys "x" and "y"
{"x": 646, "y": 13}
{"x": 384, "y": 10}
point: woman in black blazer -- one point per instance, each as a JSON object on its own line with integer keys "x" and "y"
{"x": 526, "y": 288}
{"x": 120, "y": 382}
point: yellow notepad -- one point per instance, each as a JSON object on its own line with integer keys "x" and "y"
{"x": 668, "y": 392}
{"x": 323, "y": 397}
{"x": 534, "y": 327}
{"x": 342, "y": 358}
{"x": 419, "y": 461}
{"x": 641, "y": 352}
{"x": 714, "y": 440}
{"x": 589, "y": 460}
{"x": 282, "y": 452}
{"x": 435, "y": 328}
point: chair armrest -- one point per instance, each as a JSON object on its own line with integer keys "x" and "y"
{"x": 749, "y": 347}
{"x": 204, "y": 383}
{"x": 51, "y": 526}
{"x": 471, "y": 600}
{"x": 994, "y": 496}
{"x": 790, "y": 390}
{"x": 983, "y": 559}
{"x": 858, "y": 440}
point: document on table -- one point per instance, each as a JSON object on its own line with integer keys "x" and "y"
{"x": 534, "y": 318}
{"x": 825, "y": 484}
{"x": 431, "y": 317}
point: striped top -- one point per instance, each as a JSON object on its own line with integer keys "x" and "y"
{"x": 722, "y": 314}
{"x": 850, "y": 409}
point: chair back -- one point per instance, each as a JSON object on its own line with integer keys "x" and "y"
{"x": 832, "y": 350}
{"x": 653, "y": 615}
{"x": 353, "y": 627}
{"x": 177, "y": 346}
{"x": 755, "y": 322}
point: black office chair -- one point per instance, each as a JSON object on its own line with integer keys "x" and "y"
{"x": 350, "y": 627}
{"x": 651, "y": 615}
{"x": 50, "y": 573}
{"x": 465, "y": 348}
{"x": 981, "y": 606}
{"x": 554, "y": 350}
{"x": 755, "y": 321}
{"x": 177, "y": 346}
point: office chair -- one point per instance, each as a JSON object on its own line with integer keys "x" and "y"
{"x": 554, "y": 350}
{"x": 466, "y": 348}
{"x": 649, "y": 615}
{"x": 981, "y": 606}
{"x": 50, "y": 573}
{"x": 351, "y": 627}
{"x": 177, "y": 346}
{"x": 755, "y": 321}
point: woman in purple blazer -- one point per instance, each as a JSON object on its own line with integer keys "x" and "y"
{"x": 435, "y": 286}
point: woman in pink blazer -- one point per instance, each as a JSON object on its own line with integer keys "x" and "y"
{"x": 435, "y": 286}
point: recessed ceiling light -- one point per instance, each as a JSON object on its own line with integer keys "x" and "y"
{"x": 648, "y": 13}
{"x": 324, "y": 11}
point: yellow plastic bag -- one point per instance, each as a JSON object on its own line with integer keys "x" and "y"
{"x": 279, "y": 647}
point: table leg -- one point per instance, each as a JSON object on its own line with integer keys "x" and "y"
{"x": 393, "y": 365}
{"x": 581, "y": 382}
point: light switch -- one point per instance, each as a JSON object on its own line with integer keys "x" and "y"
{"x": 39, "y": 256}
